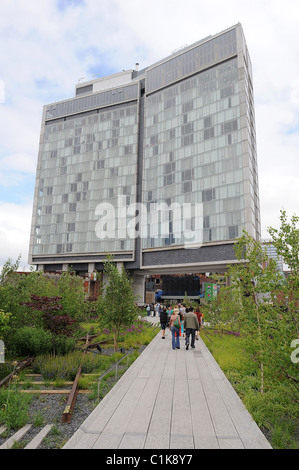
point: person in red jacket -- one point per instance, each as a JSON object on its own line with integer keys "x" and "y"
{"x": 199, "y": 316}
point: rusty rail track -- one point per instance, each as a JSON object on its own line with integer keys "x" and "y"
{"x": 20, "y": 366}
{"x": 68, "y": 411}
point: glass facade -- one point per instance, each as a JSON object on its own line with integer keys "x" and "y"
{"x": 187, "y": 63}
{"x": 182, "y": 134}
{"x": 84, "y": 160}
{"x": 193, "y": 151}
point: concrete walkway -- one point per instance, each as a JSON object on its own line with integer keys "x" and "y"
{"x": 170, "y": 399}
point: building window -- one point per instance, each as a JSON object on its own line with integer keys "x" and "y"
{"x": 68, "y": 142}
{"x": 187, "y": 128}
{"x": 187, "y": 187}
{"x": 128, "y": 149}
{"x": 169, "y": 179}
{"x": 187, "y": 175}
{"x": 208, "y": 133}
{"x": 113, "y": 171}
{"x": 89, "y": 147}
{"x": 208, "y": 195}
{"x": 172, "y": 134}
{"x": 169, "y": 167}
{"x": 207, "y": 122}
{"x": 100, "y": 164}
{"x": 187, "y": 106}
{"x": 187, "y": 139}
{"x": 229, "y": 126}
{"x": 233, "y": 231}
{"x": 206, "y": 221}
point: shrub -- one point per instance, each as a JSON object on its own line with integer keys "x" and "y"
{"x": 31, "y": 341}
{"x": 64, "y": 345}
{"x": 57, "y": 367}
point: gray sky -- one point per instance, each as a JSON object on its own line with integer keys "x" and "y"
{"x": 48, "y": 45}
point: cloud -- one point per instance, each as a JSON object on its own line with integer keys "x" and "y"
{"x": 15, "y": 221}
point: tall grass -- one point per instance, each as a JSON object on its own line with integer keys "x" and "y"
{"x": 14, "y": 408}
{"x": 65, "y": 367}
{"x": 276, "y": 411}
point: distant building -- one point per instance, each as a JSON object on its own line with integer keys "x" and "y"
{"x": 272, "y": 254}
{"x": 174, "y": 141}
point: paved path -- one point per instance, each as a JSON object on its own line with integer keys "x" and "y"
{"x": 170, "y": 399}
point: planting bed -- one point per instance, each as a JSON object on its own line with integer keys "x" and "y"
{"x": 49, "y": 408}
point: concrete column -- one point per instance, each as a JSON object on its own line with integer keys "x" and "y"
{"x": 91, "y": 268}
{"x": 139, "y": 287}
{"x": 119, "y": 266}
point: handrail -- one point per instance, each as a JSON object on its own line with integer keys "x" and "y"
{"x": 110, "y": 369}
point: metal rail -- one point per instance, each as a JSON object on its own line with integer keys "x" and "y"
{"x": 20, "y": 366}
{"x": 110, "y": 369}
{"x": 67, "y": 414}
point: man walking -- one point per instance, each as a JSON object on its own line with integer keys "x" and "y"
{"x": 191, "y": 325}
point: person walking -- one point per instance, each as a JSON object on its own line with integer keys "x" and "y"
{"x": 182, "y": 316}
{"x": 199, "y": 317}
{"x": 174, "y": 326}
{"x": 191, "y": 325}
{"x": 148, "y": 310}
{"x": 163, "y": 321}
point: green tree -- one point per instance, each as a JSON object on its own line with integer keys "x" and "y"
{"x": 263, "y": 303}
{"x": 254, "y": 277}
{"x": 8, "y": 268}
{"x": 286, "y": 296}
{"x": 286, "y": 241}
{"x": 4, "y": 323}
{"x": 71, "y": 290}
{"x": 118, "y": 306}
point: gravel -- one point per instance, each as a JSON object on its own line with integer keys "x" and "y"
{"x": 50, "y": 408}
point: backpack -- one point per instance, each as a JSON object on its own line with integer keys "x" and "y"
{"x": 176, "y": 322}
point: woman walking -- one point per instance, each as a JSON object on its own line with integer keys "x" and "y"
{"x": 175, "y": 326}
{"x": 163, "y": 321}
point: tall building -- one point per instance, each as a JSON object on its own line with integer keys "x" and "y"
{"x": 156, "y": 166}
